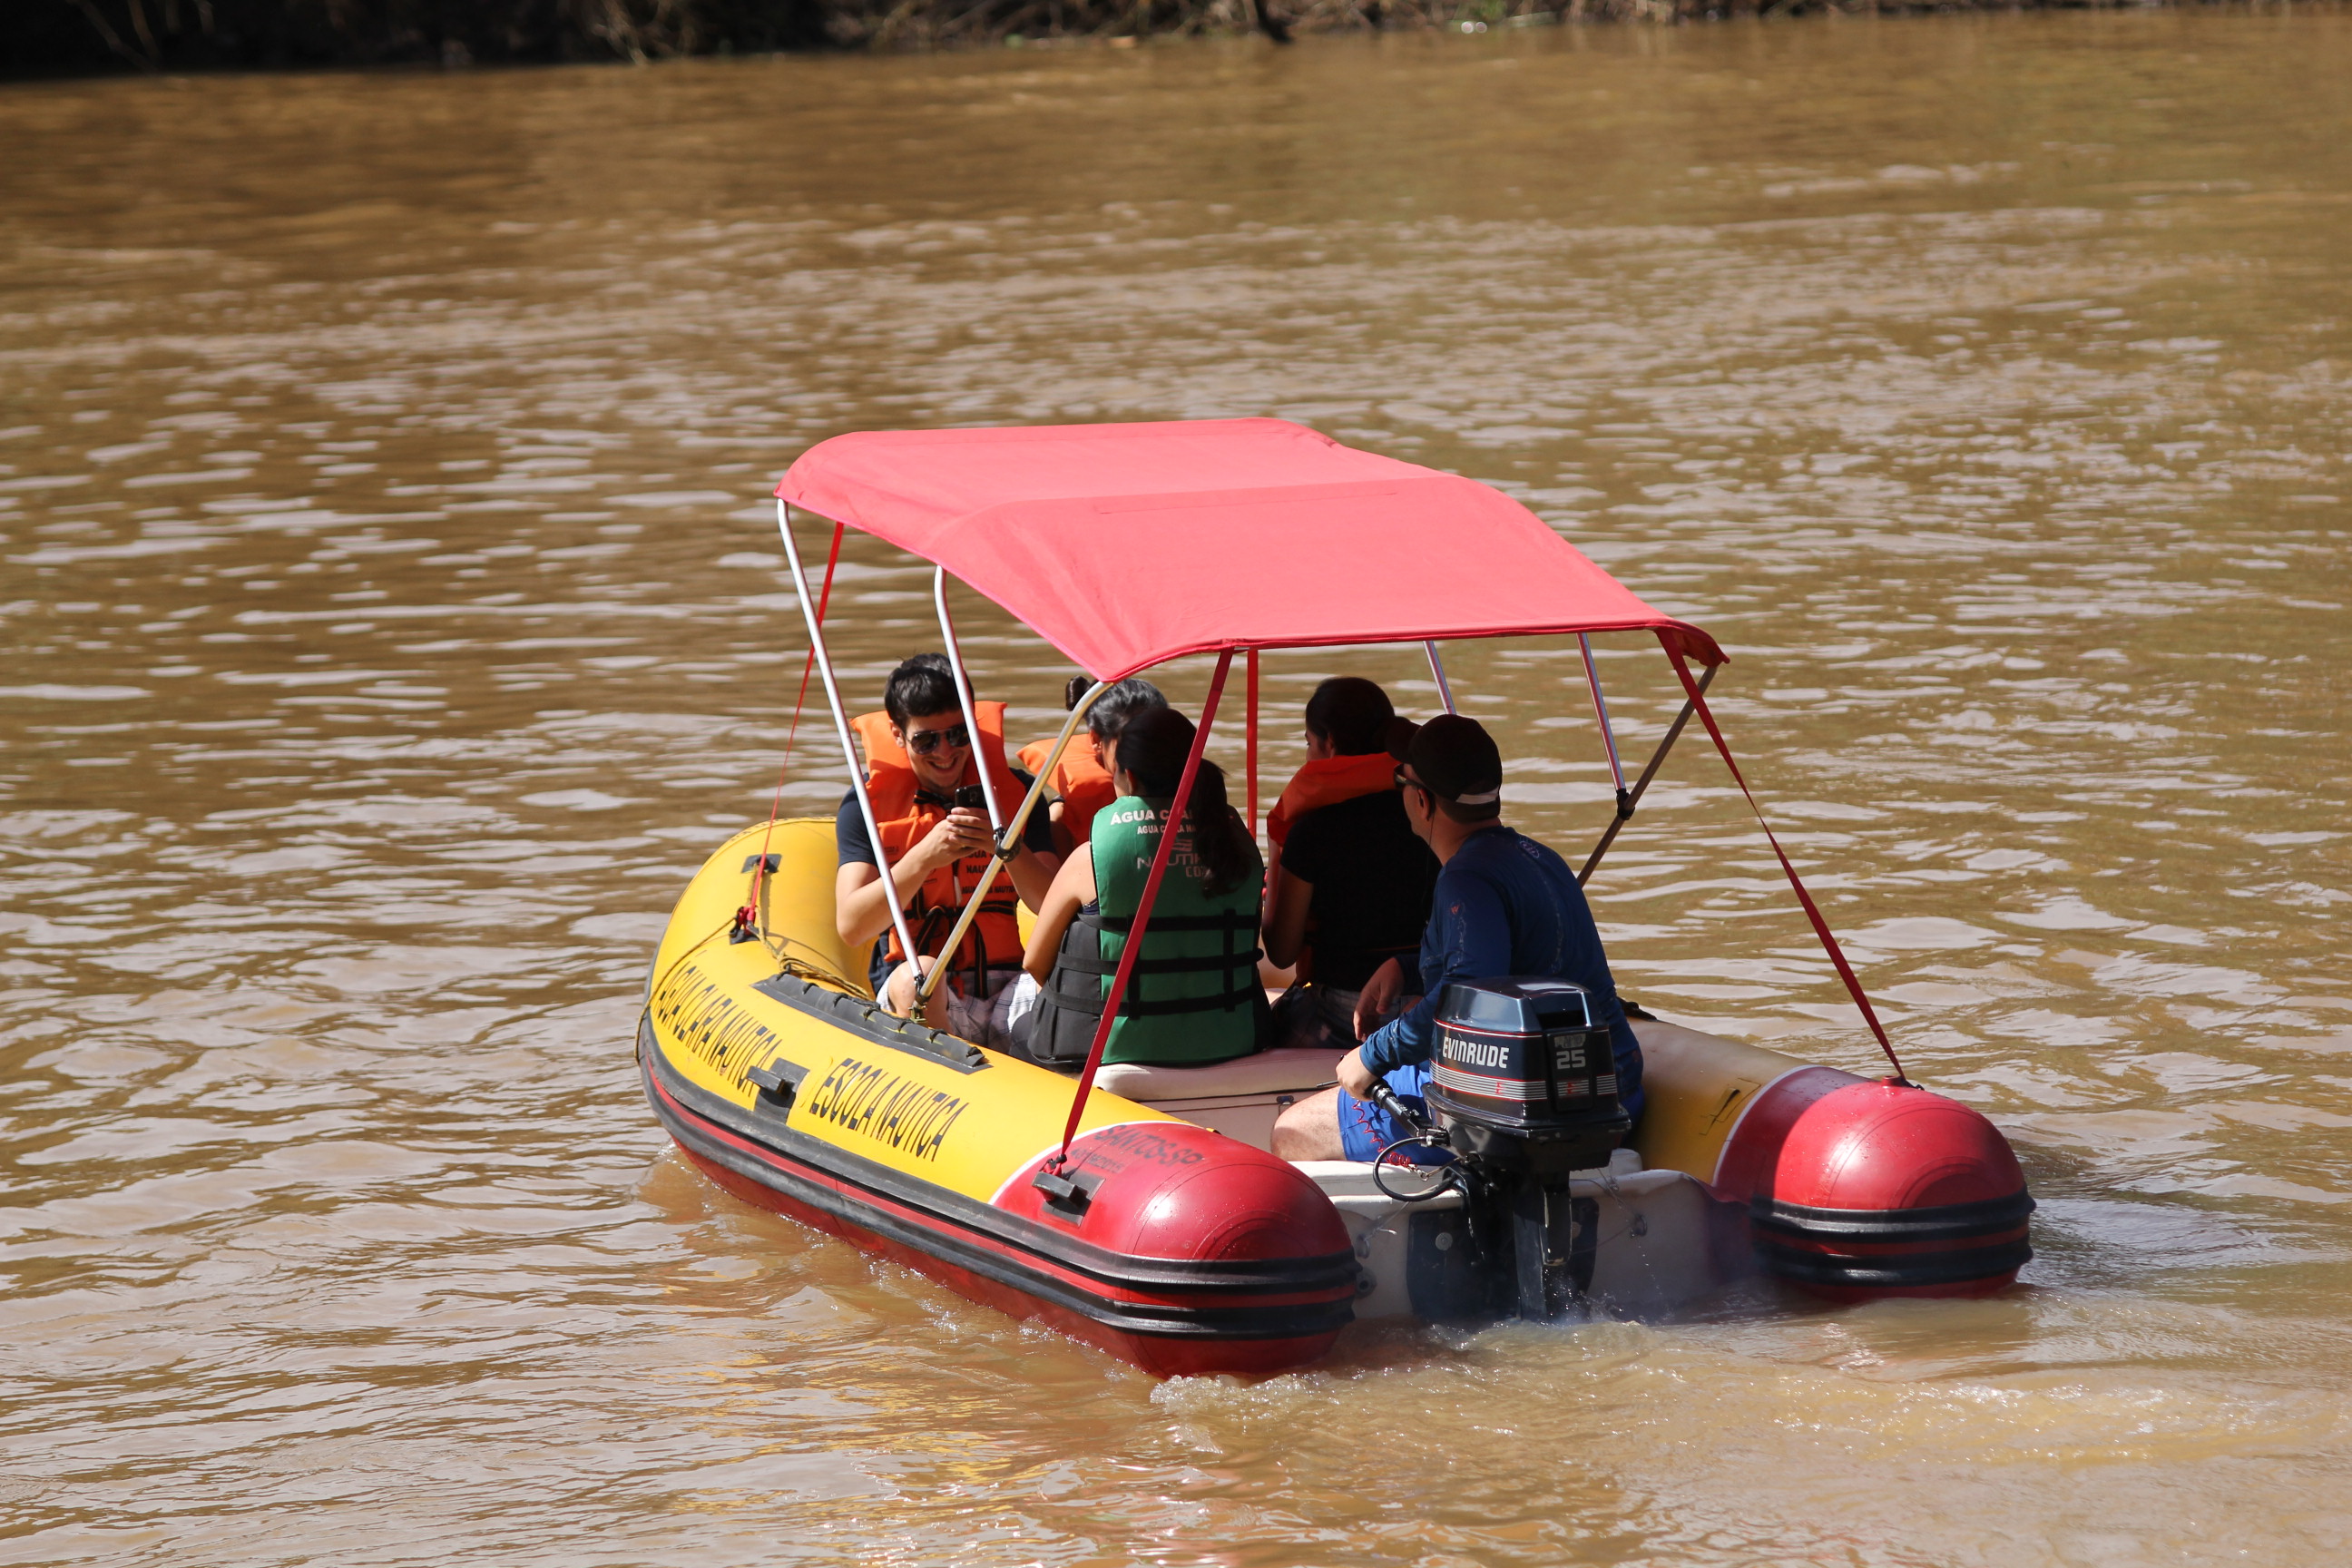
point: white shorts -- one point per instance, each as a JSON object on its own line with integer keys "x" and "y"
{"x": 1000, "y": 1019}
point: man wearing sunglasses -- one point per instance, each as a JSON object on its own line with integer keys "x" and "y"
{"x": 924, "y": 771}
{"x": 1505, "y": 905}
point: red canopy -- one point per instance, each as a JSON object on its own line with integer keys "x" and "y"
{"x": 1124, "y": 545}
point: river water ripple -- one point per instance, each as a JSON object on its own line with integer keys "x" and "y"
{"x": 393, "y": 622}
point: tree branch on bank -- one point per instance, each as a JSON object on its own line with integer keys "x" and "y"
{"x": 178, "y": 35}
{"x": 113, "y": 40}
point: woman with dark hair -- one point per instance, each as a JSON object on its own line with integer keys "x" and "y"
{"x": 1081, "y": 781}
{"x": 1352, "y": 885}
{"x": 1193, "y": 995}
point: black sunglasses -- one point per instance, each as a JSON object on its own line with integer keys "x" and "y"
{"x": 1404, "y": 780}
{"x": 923, "y": 742}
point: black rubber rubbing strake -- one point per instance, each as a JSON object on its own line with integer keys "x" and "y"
{"x": 1881, "y": 1271}
{"x": 1945, "y": 1222}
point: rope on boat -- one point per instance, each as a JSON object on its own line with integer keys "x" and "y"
{"x": 746, "y": 919}
{"x": 1812, "y": 910}
{"x": 655, "y": 981}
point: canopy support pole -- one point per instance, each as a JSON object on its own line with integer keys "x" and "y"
{"x": 1250, "y": 746}
{"x": 963, "y": 697}
{"x": 1008, "y": 840}
{"x": 1049, "y": 1178}
{"x": 841, "y": 729}
{"x": 1812, "y": 910}
{"x": 1642, "y": 786}
{"x": 1437, "y": 673}
{"x": 752, "y": 920}
{"x": 1608, "y": 735}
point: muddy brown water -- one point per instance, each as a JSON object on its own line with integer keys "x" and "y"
{"x": 393, "y": 622}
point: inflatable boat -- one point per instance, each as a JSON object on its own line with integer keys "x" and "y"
{"x": 1138, "y": 1209}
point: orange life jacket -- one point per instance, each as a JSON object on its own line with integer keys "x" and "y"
{"x": 1322, "y": 780}
{"x": 1328, "y": 781}
{"x": 1082, "y": 785}
{"x": 890, "y": 783}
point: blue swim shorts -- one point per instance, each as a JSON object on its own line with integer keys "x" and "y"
{"x": 1365, "y": 1129}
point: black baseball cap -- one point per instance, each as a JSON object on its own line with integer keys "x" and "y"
{"x": 1455, "y": 757}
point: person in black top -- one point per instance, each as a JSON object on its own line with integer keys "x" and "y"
{"x": 1355, "y": 881}
{"x": 853, "y": 846}
{"x": 938, "y": 848}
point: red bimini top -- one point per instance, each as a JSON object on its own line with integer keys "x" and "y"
{"x": 1126, "y": 546}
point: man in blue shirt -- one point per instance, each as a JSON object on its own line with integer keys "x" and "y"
{"x": 1505, "y": 905}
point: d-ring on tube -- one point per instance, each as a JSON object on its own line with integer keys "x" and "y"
{"x": 841, "y": 728}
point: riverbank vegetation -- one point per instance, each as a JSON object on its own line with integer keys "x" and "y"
{"x": 78, "y": 35}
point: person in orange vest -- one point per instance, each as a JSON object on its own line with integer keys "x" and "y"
{"x": 1352, "y": 885}
{"x": 1081, "y": 781}
{"x": 923, "y": 777}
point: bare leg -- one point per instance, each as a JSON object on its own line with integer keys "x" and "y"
{"x": 1309, "y": 1130}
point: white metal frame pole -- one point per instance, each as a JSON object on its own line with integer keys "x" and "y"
{"x": 1437, "y": 673}
{"x": 1009, "y": 836}
{"x": 841, "y": 729}
{"x": 963, "y": 696}
{"x": 1608, "y": 735}
{"x": 1642, "y": 784}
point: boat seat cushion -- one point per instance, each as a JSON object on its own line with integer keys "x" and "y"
{"x": 1266, "y": 1072}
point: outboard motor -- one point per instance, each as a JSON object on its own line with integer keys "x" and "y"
{"x": 1523, "y": 1087}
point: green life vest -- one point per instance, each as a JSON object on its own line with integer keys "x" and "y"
{"x": 1194, "y": 995}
